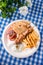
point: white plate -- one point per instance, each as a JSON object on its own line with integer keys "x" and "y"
{"x": 22, "y": 54}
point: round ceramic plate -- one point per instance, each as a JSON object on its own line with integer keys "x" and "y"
{"x": 23, "y": 54}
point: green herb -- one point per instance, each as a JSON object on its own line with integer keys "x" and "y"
{"x": 6, "y": 6}
{"x": 4, "y": 14}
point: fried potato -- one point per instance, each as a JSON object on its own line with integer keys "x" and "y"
{"x": 31, "y": 40}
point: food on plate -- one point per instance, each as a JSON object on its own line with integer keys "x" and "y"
{"x": 12, "y": 34}
{"x": 22, "y": 33}
{"x": 31, "y": 40}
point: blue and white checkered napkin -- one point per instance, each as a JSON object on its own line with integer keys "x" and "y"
{"x": 35, "y": 15}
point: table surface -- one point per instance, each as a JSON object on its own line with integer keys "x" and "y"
{"x": 35, "y": 15}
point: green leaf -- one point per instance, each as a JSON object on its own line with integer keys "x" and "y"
{"x": 10, "y": 2}
{"x": 11, "y": 9}
{"x": 2, "y": 4}
{"x": 14, "y": 9}
{"x": 4, "y": 14}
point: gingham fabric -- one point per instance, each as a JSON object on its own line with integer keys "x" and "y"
{"x": 35, "y": 15}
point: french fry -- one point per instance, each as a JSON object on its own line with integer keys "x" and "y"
{"x": 25, "y": 41}
{"x": 35, "y": 34}
{"x": 26, "y": 47}
{"x": 32, "y": 42}
{"x": 33, "y": 37}
{"x": 37, "y": 37}
{"x": 29, "y": 41}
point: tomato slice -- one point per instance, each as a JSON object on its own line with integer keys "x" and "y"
{"x": 12, "y": 34}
